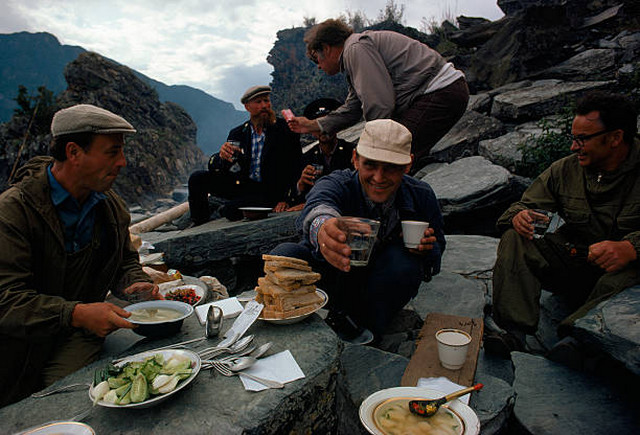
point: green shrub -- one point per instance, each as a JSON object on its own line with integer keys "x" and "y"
{"x": 539, "y": 151}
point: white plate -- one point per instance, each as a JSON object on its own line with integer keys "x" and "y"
{"x": 296, "y": 319}
{"x": 369, "y": 405}
{"x": 197, "y": 288}
{"x": 61, "y": 428}
{"x": 254, "y": 209}
{"x": 154, "y": 400}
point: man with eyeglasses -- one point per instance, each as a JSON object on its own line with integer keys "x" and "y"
{"x": 590, "y": 258}
{"x": 389, "y": 75}
{"x": 369, "y": 296}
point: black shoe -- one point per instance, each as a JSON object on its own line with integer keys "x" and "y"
{"x": 503, "y": 343}
{"x": 231, "y": 213}
{"x": 568, "y": 352}
{"x": 347, "y": 329}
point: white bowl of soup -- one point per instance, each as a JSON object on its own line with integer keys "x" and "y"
{"x": 158, "y": 318}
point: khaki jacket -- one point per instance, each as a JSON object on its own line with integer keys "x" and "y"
{"x": 590, "y": 202}
{"x": 35, "y": 304}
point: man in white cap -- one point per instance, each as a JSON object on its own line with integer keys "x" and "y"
{"x": 257, "y": 166}
{"x": 65, "y": 244}
{"x": 378, "y": 189}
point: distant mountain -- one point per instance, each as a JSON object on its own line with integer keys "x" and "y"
{"x": 37, "y": 59}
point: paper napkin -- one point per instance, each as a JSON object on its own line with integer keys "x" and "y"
{"x": 445, "y": 385}
{"x": 231, "y": 307}
{"x": 281, "y": 367}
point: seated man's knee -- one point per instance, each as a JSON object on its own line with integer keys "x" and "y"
{"x": 198, "y": 180}
{"x": 295, "y": 250}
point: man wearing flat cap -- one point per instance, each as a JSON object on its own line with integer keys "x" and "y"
{"x": 328, "y": 155}
{"x": 65, "y": 244}
{"x": 256, "y": 167}
{"x": 379, "y": 189}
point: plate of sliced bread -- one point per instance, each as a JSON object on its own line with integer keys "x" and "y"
{"x": 288, "y": 291}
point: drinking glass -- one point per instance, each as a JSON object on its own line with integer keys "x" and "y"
{"x": 361, "y": 236}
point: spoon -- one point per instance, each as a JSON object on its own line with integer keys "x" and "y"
{"x": 236, "y": 347}
{"x": 427, "y": 408}
{"x": 240, "y": 363}
{"x": 255, "y": 352}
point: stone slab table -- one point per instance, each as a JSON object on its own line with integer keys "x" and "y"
{"x": 211, "y": 403}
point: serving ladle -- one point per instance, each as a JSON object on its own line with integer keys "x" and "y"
{"x": 427, "y": 408}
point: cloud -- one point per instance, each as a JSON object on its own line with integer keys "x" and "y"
{"x": 220, "y": 47}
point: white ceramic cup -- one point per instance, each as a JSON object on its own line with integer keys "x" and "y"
{"x": 453, "y": 345}
{"x": 412, "y": 232}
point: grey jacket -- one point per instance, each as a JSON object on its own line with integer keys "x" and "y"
{"x": 385, "y": 71}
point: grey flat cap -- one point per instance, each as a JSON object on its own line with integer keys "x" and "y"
{"x": 254, "y": 91}
{"x": 85, "y": 118}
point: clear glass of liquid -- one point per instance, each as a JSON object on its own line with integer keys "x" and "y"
{"x": 541, "y": 220}
{"x": 361, "y": 236}
{"x": 235, "y": 167}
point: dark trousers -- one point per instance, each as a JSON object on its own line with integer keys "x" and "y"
{"x": 239, "y": 193}
{"x": 373, "y": 294}
{"x": 524, "y": 267}
{"x": 432, "y": 115}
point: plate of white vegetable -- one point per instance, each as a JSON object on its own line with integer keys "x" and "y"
{"x": 144, "y": 379}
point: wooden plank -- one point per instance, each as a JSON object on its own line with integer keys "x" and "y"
{"x": 425, "y": 363}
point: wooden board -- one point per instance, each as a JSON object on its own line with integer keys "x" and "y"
{"x": 425, "y": 363}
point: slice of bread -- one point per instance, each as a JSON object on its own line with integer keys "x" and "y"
{"x": 269, "y": 288}
{"x": 279, "y": 265}
{"x": 289, "y": 278}
{"x": 269, "y": 313}
{"x": 267, "y": 257}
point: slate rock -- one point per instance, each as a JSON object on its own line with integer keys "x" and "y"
{"x": 541, "y": 99}
{"x": 613, "y": 325}
{"x": 504, "y": 150}
{"x": 365, "y": 370}
{"x": 493, "y": 404}
{"x": 593, "y": 64}
{"x": 469, "y": 184}
{"x": 452, "y": 294}
{"x": 462, "y": 140}
{"x": 551, "y": 398}
{"x": 469, "y": 255}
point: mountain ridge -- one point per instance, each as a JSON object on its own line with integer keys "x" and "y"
{"x": 38, "y": 59}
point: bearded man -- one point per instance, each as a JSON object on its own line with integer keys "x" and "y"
{"x": 257, "y": 166}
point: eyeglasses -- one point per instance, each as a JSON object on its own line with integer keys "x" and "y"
{"x": 581, "y": 139}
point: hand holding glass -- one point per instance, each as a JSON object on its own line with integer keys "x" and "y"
{"x": 361, "y": 236}
{"x": 541, "y": 220}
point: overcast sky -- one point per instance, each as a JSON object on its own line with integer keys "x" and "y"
{"x": 219, "y": 46}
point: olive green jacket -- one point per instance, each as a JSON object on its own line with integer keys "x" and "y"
{"x": 35, "y": 306}
{"x": 612, "y": 196}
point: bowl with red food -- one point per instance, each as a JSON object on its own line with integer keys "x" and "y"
{"x": 191, "y": 294}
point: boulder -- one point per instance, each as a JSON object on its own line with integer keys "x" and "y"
{"x": 462, "y": 140}
{"x": 541, "y": 99}
{"x": 613, "y": 326}
{"x": 504, "y": 150}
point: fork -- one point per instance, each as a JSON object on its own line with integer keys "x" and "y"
{"x": 58, "y": 390}
{"x": 225, "y": 371}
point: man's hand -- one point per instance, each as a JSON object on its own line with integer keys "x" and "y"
{"x": 612, "y": 256}
{"x": 280, "y": 207}
{"x": 523, "y": 224}
{"x": 227, "y": 150}
{"x": 333, "y": 246}
{"x": 145, "y": 291}
{"x": 426, "y": 243}
{"x": 307, "y": 178}
{"x": 101, "y": 318}
{"x": 300, "y": 124}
